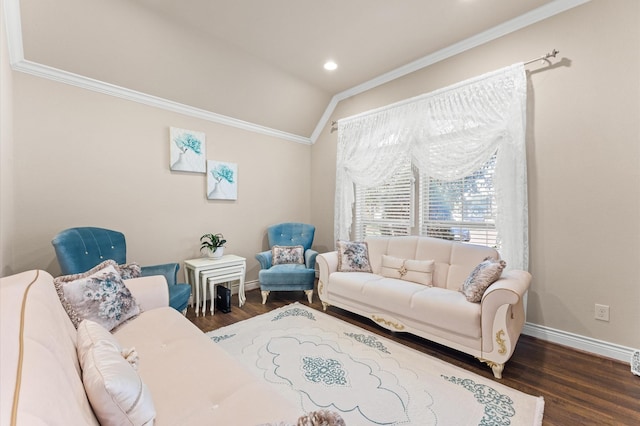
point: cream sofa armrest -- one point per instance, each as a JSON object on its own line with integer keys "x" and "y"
{"x": 150, "y": 292}
{"x": 502, "y": 311}
{"x": 513, "y": 280}
{"x": 327, "y": 264}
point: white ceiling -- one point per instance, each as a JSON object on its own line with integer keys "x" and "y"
{"x": 366, "y": 38}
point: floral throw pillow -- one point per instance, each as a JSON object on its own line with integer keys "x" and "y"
{"x": 483, "y": 275}
{"x": 98, "y": 295}
{"x": 130, "y": 270}
{"x": 353, "y": 257}
{"x": 287, "y": 254}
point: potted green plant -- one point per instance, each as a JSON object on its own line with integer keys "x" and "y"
{"x": 213, "y": 244}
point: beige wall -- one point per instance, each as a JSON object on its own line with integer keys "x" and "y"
{"x": 87, "y": 159}
{"x": 126, "y": 44}
{"x": 583, "y": 161}
{"x": 6, "y": 156}
{"x": 83, "y": 158}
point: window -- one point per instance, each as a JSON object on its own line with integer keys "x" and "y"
{"x": 385, "y": 210}
{"x": 460, "y": 210}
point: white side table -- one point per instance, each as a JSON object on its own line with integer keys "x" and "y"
{"x": 203, "y": 271}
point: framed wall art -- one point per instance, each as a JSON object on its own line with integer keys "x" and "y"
{"x": 222, "y": 180}
{"x": 187, "y": 150}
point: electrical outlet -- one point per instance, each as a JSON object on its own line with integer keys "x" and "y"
{"x": 602, "y": 312}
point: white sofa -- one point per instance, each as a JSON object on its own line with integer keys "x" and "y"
{"x": 488, "y": 330}
{"x": 190, "y": 379}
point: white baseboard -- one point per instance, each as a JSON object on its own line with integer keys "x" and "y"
{"x": 248, "y": 285}
{"x": 576, "y": 341}
{"x": 251, "y": 285}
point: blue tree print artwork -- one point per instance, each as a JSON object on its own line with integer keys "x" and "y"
{"x": 222, "y": 180}
{"x": 187, "y": 150}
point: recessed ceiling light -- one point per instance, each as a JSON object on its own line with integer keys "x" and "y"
{"x": 330, "y": 66}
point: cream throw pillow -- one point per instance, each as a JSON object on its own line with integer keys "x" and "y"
{"x": 417, "y": 271}
{"x": 115, "y": 390}
{"x": 90, "y": 333}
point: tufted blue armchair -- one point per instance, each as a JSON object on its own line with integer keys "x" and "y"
{"x": 290, "y": 276}
{"x": 80, "y": 249}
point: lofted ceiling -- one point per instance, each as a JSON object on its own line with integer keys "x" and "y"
{"x": 259, "y": 61}
{"x": 366, "y": 38}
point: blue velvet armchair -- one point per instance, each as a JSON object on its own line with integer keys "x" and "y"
{"x": 80, "y": 249}
{"x": 288, "y": 276}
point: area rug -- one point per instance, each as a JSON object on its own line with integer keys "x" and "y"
{"x": 321, "y": 362}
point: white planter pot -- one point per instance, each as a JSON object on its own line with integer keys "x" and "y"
{"x": 216, "y": 254}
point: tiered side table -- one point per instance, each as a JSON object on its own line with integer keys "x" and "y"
{"x": 209, "y": 271}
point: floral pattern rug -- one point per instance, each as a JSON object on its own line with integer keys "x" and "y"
{"x": 321, "y": 362}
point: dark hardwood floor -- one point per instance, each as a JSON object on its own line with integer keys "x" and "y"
{"x": 578, "y": 388}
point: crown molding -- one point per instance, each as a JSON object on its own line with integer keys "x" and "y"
{"x": 77, "y": 80}
{"x": 18, "y": 63}
{"x": 13, "y": 25}
{"x": 333, "y": 103}
{"x": 539, "y": 14}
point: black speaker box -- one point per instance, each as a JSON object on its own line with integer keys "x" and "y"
{"x": 223, "y": 299}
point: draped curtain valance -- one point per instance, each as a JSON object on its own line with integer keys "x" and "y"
{"x": 448, "y": 134}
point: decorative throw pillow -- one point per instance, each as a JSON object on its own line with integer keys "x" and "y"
{"x": 115, "y": 390}
{"x": 321, "y": 417}
{"x": 417, "y": 271}
{"x": 353, "y": 256}
{"x": 90, "y": 333}
{"x": 130, "y": 270}
{"x": 98, "y": 294}
{"x": 483, "y": 275}
{"x": 287, "y": 254}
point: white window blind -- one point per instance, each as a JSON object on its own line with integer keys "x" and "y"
{"x": 385, "y": 210}
{"x": 460, "y": 210}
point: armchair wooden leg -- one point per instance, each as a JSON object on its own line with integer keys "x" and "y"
{"x": 264, "y": 296}
{"x": 309, "y": 294}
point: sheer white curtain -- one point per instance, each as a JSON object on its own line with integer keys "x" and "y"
{"x": 449, "y": 134}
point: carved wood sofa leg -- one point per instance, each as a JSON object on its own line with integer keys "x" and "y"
{"x": 309, "y": 294}
{"x": 497, "y": 370}
{"x": 325, "y": 305}
{"x": 264, "y": 296}
{"x": 495, "y": 367}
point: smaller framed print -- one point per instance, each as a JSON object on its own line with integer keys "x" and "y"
{"x": 187, "y": 150}
{"x": 222, "y": 180}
